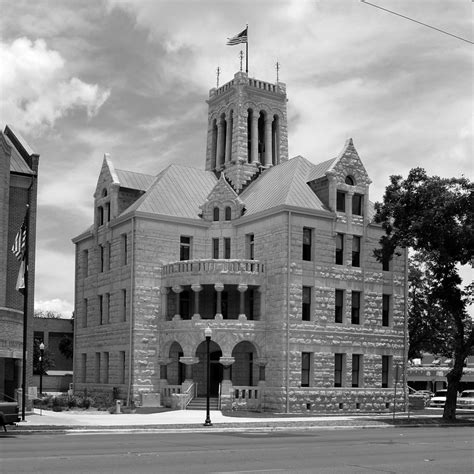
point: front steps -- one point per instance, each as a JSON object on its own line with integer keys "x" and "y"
{"x": 199, "y": 403}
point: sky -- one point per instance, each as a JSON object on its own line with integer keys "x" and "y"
{"x": 130, "y": 78}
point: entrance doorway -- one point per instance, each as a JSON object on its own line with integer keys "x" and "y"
{"x": 216, "y": 372}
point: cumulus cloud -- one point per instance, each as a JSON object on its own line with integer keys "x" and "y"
{"x": 64, "y": 308}
{"x": 36, "y": 90}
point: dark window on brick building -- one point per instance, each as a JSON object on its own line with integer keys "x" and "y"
{"x": 307, "y": 243}
{"x": 306, "y": 310}
{"x": 338, "y": 369}
{"x": 340, "y": 201}
{"x": 339, "y": 249}
{"x": 102, "y": 258}
{"x": 355, "y": 251}
{"x": 339, "y": 306}
{"x": 124, "y": 249}
{"x": 185, "y": 248}
{"x": 228, "y": 213}
{"x": 250, "y": 238}
{"x": 355, "y": 309}
{"x": 216, "y": 214}
{"x": 385, "y": 310}
{"x": 185, "y": 304}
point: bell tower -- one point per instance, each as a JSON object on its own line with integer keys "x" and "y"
{"x": 247, "y": 128}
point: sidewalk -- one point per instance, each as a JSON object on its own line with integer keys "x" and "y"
{"x": 193, "y": 420}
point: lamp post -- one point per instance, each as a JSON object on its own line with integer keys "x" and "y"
{"x": 208, "y": 334}
{"x": 41, "y": 366}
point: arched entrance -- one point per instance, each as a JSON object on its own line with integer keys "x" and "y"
{"x": 244, "y": 369}
{"x": 216, "y": 369}
{"x": 176, "y": 370}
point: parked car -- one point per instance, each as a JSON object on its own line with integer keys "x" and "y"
{"x": 439, "y": 399}
{"x": 466, "y": 399}
{"x": 8, "y": 412}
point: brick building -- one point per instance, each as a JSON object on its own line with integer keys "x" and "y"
{"x": 274, "y": 255}
{"x": 18, "y": 187}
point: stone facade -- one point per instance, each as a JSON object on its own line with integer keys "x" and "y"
{"x": 18, "y": 188}
{"x": 274, "y": 256}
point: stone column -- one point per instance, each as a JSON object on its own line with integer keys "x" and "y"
{"x": 196, "y": 288}
{"x": 177, "y": 290}
{"x": 254, "y": 138}
{"x": 164, "y": 301}
{"x": 228, "y": 139}
{"x": 219, "y": 287}
{"x": 220, "y": 144}
{"x": 242, "y": 288}
{"x": 268, "y": 140}
{"x": 188, "y": 362}
{"x": 226, "y": 386}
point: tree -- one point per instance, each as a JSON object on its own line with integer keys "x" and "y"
{"x": 433, "y": 216}
{"x": 66, "y": 346}
{"x": 41, "y": 366}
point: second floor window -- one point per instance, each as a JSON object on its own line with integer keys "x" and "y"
{"x": 306, "y": 309}
{"x": 124, "y": 249}
{"x": 385, "y": 310}
{"x": 228, "y": 213}
{"x": 338, "y": 370}
{"x": 355, "y": 251}
{"x": 356, "y": 369}
{"x": 216, "y": 214}
{"x": 339, "y": 307}
{"x": 357, "y": 201}
{"x": 339, "y": 249}
{"x": 185, "y": 248}
{"x": 386, "y": 362}
{"x": 305, "y": 368}
{"x": 226, "y": 247}
{"x": 215, "y": 248}
{"x": 102, "y": 258}
{"x": 340, "y": 201}
{"x": 307, "y": 243}
{"x": 355, "y": 310}
{"x": 250, "y": 246}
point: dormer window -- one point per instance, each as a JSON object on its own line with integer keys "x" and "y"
{"x": 341, "y": 201}
{"x": 216, "y": 214}
{"x": 104, "y": 192}
{"x": 357, "y": 201}
{"x": 350, "y": 181}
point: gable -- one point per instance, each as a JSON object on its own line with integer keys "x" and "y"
{"x": 222, "y": 200}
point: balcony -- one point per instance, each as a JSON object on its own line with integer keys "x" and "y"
{"x": 210, "y": 271}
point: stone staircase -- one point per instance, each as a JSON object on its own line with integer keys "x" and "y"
{"x": 199, "y": 403}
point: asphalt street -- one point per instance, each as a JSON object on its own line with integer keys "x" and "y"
{"x": 404, "y": 450}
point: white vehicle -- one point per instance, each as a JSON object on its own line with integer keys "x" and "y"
{"x": 466, "y": 399}
{"x": 439, "y": 399}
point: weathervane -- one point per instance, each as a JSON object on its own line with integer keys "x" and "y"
{"x": 277, "y": 67}
{"x": 218, "y": 72}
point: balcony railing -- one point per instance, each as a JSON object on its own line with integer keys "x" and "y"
{"x": 212, "y": 266}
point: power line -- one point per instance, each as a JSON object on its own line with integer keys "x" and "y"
{"x": 416, "y": 21}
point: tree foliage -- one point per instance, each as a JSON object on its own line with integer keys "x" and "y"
{"x": 66, "y": 347}
{"x": 433, "y": 216}
{"x": 47, "y": 362}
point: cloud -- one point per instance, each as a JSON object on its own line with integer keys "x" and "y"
{"x": 36, "y": 91}
{"x": 65, "y": 308}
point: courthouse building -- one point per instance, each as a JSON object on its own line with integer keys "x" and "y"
{"x": 18, "y": 187}
{"x": 273, "y": 255}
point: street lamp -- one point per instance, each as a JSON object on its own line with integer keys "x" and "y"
{"x": 41, "y": 367}
{"x": 208, "y": 334}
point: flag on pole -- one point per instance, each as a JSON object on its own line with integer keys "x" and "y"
{"x": 240, "y": 38}
{"x": 19, "y": 250}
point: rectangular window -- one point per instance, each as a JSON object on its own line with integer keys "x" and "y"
{"x": 339, "y": 307}
{"x": 121, "y": 367}
{"x": 185, "y": 248}
{"x": 339, "y": 249}
{"x": 385, "y": 310}
{"x": 306, "y": 310}
{"x": 356, "y": 370}
{"x": 215, "y": 248}
{"x": 250, "y": 246}
{"x": 100, "y": 216}
{"x": 341, "y": 201}
{"x": 355, "y": 251}
{"x": 184, "y": 304}
{"x": 250, "y": 304}
{"x": 84, "y": 367}
{"x": 226, "y": 247}
{"x": 106, "y": 367}
{"x": 102, "y": 258}
{"x": 124, "y": 252}
{"x": 107, "y": 308}
{"x": 101, "y": 309}
{"x": 339, "y": 370}
{"x": 386, "y": 367}
{"x": 355, "y": 309}
{"x": 85, "y": 263}
{"x": 107, "y": 211}
{"x": 124, "y": 305}
{"x": 108, "y": 256}
{"x": 357, "y": 201}
{"x": 307, "y": 243}
{"x": 305, "y": 368}
{"x": 97, "y": 367}
{"x": 386, "y": 264}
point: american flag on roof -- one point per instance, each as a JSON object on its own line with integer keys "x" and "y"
{"x": 19, "y": 244}
{"x": 240, "y": 38}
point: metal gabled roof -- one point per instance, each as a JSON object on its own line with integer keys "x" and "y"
{"x": 132, "y": 180}
{"x": 177, "y": 191}
{"x": 284, "y": 184}
{"x": 319, "y": 170}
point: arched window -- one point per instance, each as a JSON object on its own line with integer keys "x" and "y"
{"x": 216, "y": 214}
{"x": 350, "y": 180}
{"x": 104, "y": 192}
{"x": 228, "y": 213}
